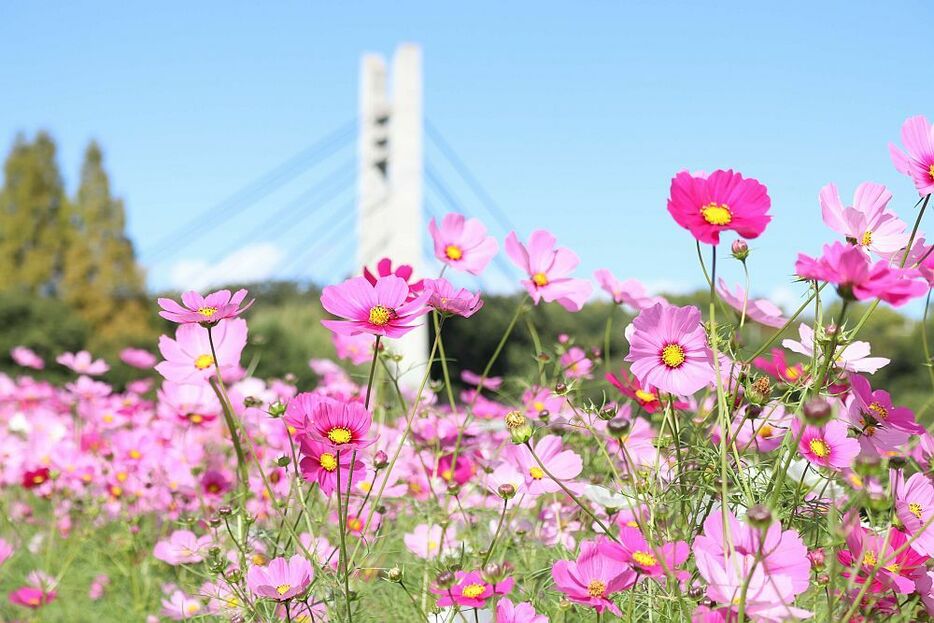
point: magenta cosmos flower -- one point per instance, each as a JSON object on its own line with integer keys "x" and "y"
{"x": 563, "y": 464}
{"x": 320, "y": 464}
{"x": 281, "y": 579}
{"x": 508, "y": 612}
{"x": 188, "y": 357}
{"x": 633, "y": 550}
{"x": 549, "y": 270}
{"x": 724, "y": 200}
{"x": 762, "y": 311}
{"x": 31, "y": 597}
{"x": 867, "y": 223}
{"x": 914, "y": 506}
{"x": 470, "y": 590}
{"x": 629, "y": 292}
{"x": 875, "y": 407}
{"x": 340, "y": 425}
{"x": 450, "y": 301}
{"x": 917, "y": 161}
{"x": 850, "y": 270}
{"x": 668, "y": 350}
{"x": 138, "y": 358}
{"x": 205, "y": 310}
{"x": 828, "y": 445}
{"x": 383, "y": 309}
{"x": 27, "y": 358}
{"x": 593, "y": 578}
{"x": 462, "y": 243}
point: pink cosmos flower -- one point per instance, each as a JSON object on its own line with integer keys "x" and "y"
{"x": 188, "y": 357}
{"x": 646, "y": 397}
{"x": 98, "y": 586}
{"x": 341, "y": 425}
{"x": 593, "y": 578}
{"x": 358, "y": 349}
{"x": 204, "y": 310}
{"x": 470, "y": 590}
{"x": 491, "y": 383}
{"x": 576, "y": 364}
{"x": 182, "y": 547}
{"x": 827, "y": 446}
{"x": 635, "y": 551}
{"x": 563, "y": 464}
{"x": 138, "y": 358}
{"x": 918, "y": 162}
{"x": 462, "y": 243}
{"x": 320, "y": 464}
{"x": 507, "y": 612}
{"x": 762, "y": 311}
{"x": 724, "y": 200}
{"x": 854, "y": 357}
{"x": 764, "y": 433}
{"x": 403, "y": 271}
{"x": 778, "y": 366}
{"x": 430, "y": 541}
{"x": 914, "y": 506}
{"x": 27, "y": 358}
{"x": 31, "y": 597}
{"x": 191, "y": 404}
{"x": 549, "y": 270}
{"x": 629, "y": 292}
{"x": 281, "y": 579}
{"x": 876, "y": 408}
{"x": 668, "y": 350}
{"x": 82, "y": 363}
{"x": 450, "y": 301}
{"x": 864, "y": 553}
{"x": 868, "y": 223}
{"x": 6, "y": 551}
{"x": 382, "y": 309}
{"x": 850, "y": 270}
{"x": 782, "y": 552}
{"x": 179, "y": 606}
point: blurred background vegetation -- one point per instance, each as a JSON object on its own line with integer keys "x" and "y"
{"x": 70, "y": 281}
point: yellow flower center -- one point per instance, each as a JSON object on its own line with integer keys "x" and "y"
{"x": 472, "y": 591}
{"x": 644, "y": 559}
{"x": 931, "y": 171}
{"x": 207, "y": 312}
{"x": 538, "y": 405}
{"x": 447, "y": 475}
{"x": 355, "y": 524}
{"x": 540, "y": 279}
{"x": 894, "y": 567}
{"x": 792, "y": 373}
{"x": 869, "y": 559}
{"x": 365, "y": 486}
{"x": 717, "y": 214}
{"x": 645, "y": 396}
{"x": 204, "y": 361}
{"x": 380, "y": 316}
{"x": 282, "y": 589}
{"x": 866, "y": 240}
{"x": 536, "y": 473}
{"x": 673, "y": 356}
{"x": 765, "y": 431}
{"x": 328, "y": 462}
{"x": 820, "y": 448}
{"x": 122, "y": 476}
{"x": 259, "y": 560}
{"x": 340, "y": 435}
{"x": 915, "y": 509}
{"x": 453, "y": 252}
{"x": 879, "y": 411}
{"x": 596, "y": 588}
{"x": 195, "y": 418}
{"x": 135, "y": 454}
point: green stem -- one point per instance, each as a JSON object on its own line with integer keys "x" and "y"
{"x": 227, "y": 409}
{"x": 369, "y": 383}
{"x": 499, "y": 526}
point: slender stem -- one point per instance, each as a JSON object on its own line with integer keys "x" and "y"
{"x": 369, "y": 383}
{"x": 928, "y": 363}
{"x": 342, "y": 563}
{"x": 227, "y": 409}
{"x": 787, "y": 324}
{"x": 502, "y": 342}
{"x": 499, "y": 526}
{"x": 606, "y": 338}
{"x": 914, "y": 230}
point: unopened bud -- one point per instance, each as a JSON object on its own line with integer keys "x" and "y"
{"x": 283, "y": 461}
{"x": 817, "y": 411}
{"x": 898, "y": 461}
{"x": 492, "y": 573}
{"x": 518, "y": 426}
{"x": 740, "y": 249}
{"x": 561, "y": 389}
{"x": 394, "y": 574}
{"x": 252, "y": 401}
{"x": 607, "y": 413}
{"x": 759, "y": 516}
{"x": 445, "y": 579}
{"x": 618, "y": 427}
{"x": 817, "y": 557}
{"x": 225, "y": 511}
{"x": 506, "y": 491}
{"x": 276, "y": 409}
{"x": 759, "y": 391}
{"x": 380, "y": 460}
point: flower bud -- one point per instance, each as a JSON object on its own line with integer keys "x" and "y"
{"x": 380, "y": 460}
{"x": 394, "y": 574}
{"x": 759, "y": 391}
{"x": 445, "y": 579}
{"x": 283, "y": 461}
{"x": 618, "y": 427}
{"x": 506, "y": 491}
{"x": 252, "y": 401}
{"x": 561, "y": 389}
{"x": 817, "y": 558}
{"x": 607, "y": 413}
{"x": 759, "y": 516}
{"x": 225, "y": 511}
{"x": 276, "y": 409}
{"x": 518, "y": 426}
{"x": 817, "y": 411}
{"x": 898, "y": 461}
{"x": 492, "y": 573}
{"x": 697, "y": 592}
{"x": 740, "y": 249}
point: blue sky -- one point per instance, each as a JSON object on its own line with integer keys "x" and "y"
{"x": 573, "y": 115}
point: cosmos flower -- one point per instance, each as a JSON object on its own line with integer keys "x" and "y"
{"x": 778, "y": 366}
{"x": 188, "y": 357}
{"x": 429, "y": 541}
{"x": 204, "y": 310}
{"x": 854, "y": 357}
{"x": 867, "y": 224}
{"x": 403, "y": 271}
{"x": 856, "y": 278}
{"x": 917, "y": 161}
{"x": 668, "y": 350}
{"x": 83, "y": 363}
{"x": 138, "y": 358}
{"x": 828, "y": 445}
{"x": 508, "y": 612}
{"x": 564, "y": 464}
{"x": 27, "y": 358}
{"x": 462, "y": 243}
{"x": 382, "y": 309}
{"x": 914, "y": 507}
{"x": 182, "y": 547}
{"x": 549, "y": 270}
{"x": 576, "y": 364}
{"x": 180, "y": 606}
{"x": 593, "y": 578}
{"x": 634, "y": 550}
{"x": 470, "y": 590}
{"x": 338, "y": 424}
{"x": 281, "y": 579}
{"x": 31, "y": 597}
{"x": 723, "y": 201}
{"x": 450, "y": 301}
{"x": 762, "y": 311}
{"x": 630, "y": 292}
{"x": 875, "y": 407}
{"x": 357, "y": 349}
{"x": 319, "y": 464}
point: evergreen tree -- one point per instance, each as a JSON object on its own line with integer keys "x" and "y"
{"x": 32, "y": 219}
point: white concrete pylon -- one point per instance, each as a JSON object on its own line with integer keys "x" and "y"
{"x": 389, "y": 204}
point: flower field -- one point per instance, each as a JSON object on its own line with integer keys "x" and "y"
{"x": 700, "y": 475}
